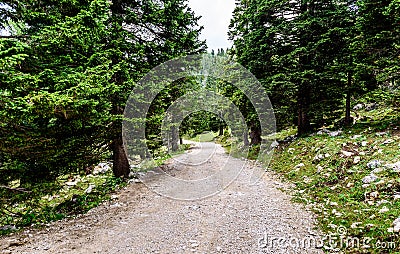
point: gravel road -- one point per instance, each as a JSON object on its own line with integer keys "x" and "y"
{"x": 194, "y": 208}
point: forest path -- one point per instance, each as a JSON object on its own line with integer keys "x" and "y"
{"x": 242, "y": 218}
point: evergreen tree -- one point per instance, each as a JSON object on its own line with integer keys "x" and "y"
{"x": 291, "y": 47}
{"x": 75, "y": 64}
{"x": 378, "y": 26}
{"x": 54, "y": 90}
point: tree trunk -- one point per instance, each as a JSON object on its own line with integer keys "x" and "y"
{"x": 303, "y": 94}
{"x": 120, "y": 159}
{"x": 255, "y": 135}
{"x": 221, "y": 130}
{"x": 175, "y": 139}
{"x": 246, "y": 138}
{"x": 347, "y": 119}
{"x": 303, "y": 123}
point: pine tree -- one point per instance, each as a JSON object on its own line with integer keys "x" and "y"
{"x": 79, "y": 64}
{"x": 54, "y": 85}
{"x": 291, "y": 46}
{"x": 378, "y": 26}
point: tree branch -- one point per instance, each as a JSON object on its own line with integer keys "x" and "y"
{"x": 15, "y": 189}
{"x": 13, "y": 36}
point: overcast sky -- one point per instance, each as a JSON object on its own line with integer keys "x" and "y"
{"x": 216, "y": 15}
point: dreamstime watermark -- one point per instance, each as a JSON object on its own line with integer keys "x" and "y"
{"x": 333, "y": 242}
{"x": 204, "y": 98}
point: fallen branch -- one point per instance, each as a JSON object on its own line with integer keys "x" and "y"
{"x": 15, "y": 189}
{"x": 13, "y": 36}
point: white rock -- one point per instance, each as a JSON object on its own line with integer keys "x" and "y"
{"x": 356, "y": 136}
{"x": 299, "y": 165}
{"x": 388, "y": 141}
{"x": 115, "y": 205}
{"x": 274, "y": 144}
{"x": 337, "y": 214}
{"x": 357, "y": 159}
{"x": 9, "y": 227}
{"x": 374, "y": 164}
{"x": 380, "y": 202}
{"x": 377, "y": 170}
{"x": 364, "y": 143}
{"x": 374, "y": 194}
{"x": 134, "y": 180}
{"x": 332, "y": 226}
{"x": 349, "y": 185}
{"x": 396, "y": 196}
{"x": 347, "y": 154}
{"x": 369, "y": 179}
{"x": 71, "y": 183}
{"x": 358, "y": 106}
{"x": 394, "y": 166}
{"x": 101, "y": 168}
{"x": 89, "y": 189}
{"x": 318, "y": 157}
{"x": 334, "y": 133}
{"x": 396, "y": 225}
{"x": 384, "y": 210}
{"x": 355, "y": 224}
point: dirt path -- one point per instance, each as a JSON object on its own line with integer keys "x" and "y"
{"x": 243, "y": 218}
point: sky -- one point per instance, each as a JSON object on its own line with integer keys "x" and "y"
{"x": 216, "y": 15}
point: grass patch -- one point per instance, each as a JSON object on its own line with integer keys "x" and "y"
{"x": 44, "y": 202}
{"x": 328, "y": 174}
{"x": 207, "y": 136}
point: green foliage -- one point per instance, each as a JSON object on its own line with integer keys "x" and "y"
{"x": 67, "y": 75}
{"x": 198, "y": 123}
{"x": 310, "y": 54}
{"x": 57, "y": 102}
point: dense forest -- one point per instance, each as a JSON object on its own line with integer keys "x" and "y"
{"x": 67, "y": 68}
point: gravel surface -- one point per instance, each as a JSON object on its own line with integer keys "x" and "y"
{"x": 198, "y": 213}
